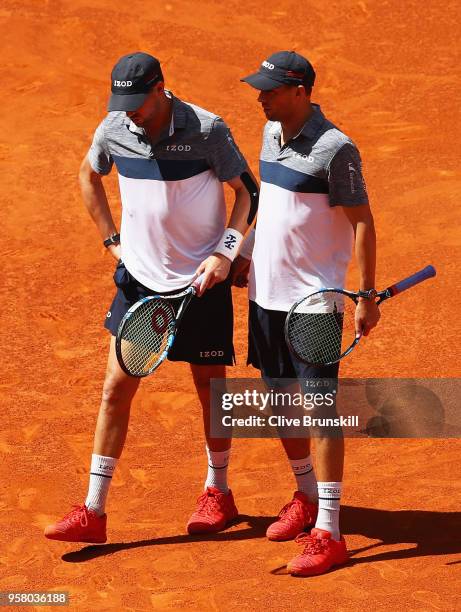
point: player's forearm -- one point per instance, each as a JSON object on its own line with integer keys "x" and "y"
{"x": 240, "y": 211}
{"x": 365, "y": 252}
{"x": 95, "y": 200}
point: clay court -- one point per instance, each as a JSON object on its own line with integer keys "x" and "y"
{"x": 387, "y": 73}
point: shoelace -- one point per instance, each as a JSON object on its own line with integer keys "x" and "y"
{"x": 79, "y": 514}
{"x": 207, "y": 503}
{"x": 312, "y": 546}
{"x": 296, "y": 506}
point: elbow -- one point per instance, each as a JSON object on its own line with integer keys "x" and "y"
{"x": 87, "y": 176}
{"x": 83, "y": 175}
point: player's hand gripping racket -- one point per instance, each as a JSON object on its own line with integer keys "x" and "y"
{"x": 147, "y": 331}
{"x": 320, "y": 328}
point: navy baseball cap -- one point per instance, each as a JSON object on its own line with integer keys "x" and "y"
{"x": 131, "y": 80}
{"x": 282, "y": 68}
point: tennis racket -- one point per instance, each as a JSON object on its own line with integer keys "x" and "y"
{"x": 320, "y": 328}
{"x": 147, "y": 331}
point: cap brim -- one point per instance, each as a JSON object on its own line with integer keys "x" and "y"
{"x": 126, "y": 102}
{"x": 261, "y": 82}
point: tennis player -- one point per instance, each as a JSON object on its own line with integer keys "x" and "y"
{"x": 171, "y": 158}
{"x": 313, "y": 208}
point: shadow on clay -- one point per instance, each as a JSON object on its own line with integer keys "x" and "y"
{"x": 427, "y": 533}
{"x": 257, "y": 526}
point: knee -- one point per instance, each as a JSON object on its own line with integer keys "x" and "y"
{"x": 118, "y": 391}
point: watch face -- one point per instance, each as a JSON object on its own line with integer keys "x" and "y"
{"x": 114, "y": 239}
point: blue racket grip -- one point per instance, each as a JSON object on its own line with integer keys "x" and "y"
{"x": 414, "y": 279}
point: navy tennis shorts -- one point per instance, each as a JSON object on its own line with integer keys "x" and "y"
{"x": 205, "y": 336}
{"x": 268, "y": 351}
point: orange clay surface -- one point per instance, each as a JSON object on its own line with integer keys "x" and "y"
{"x": 387, "y": 76}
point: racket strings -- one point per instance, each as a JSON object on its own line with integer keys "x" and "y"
{"x": 320, "y": 331}
{"x": 316, "y": 337}
{"x": 145, "y": 335}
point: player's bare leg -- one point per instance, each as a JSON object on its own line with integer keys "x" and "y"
{"x": 329, "y": 455}
{"x": 114, "y": 412}
{"x": 201, "y": 375}
{"x": 296, "y": 448}
{"x": 87, "y": 523}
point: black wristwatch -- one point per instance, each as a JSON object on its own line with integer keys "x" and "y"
{"x": 369, "y": 295}
{"x": 114, "y": 239}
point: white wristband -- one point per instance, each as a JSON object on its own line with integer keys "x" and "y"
{"x": 248, "y": 245}
{"x": 229, "y": 243}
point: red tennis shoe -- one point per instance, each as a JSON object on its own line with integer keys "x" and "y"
{"x": 80, "y": 525}
{"x": 214, "y": 511}
{"x": 294, "y": 518}
{"x": 320, "y": 554}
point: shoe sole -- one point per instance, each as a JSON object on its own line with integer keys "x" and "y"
{"x": 301, "y": 575}
{"x": 59, "y": 538}
{"x": 281, "y": 539}
{"x": 211, "y": 528}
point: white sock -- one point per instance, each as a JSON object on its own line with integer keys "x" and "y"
{"x": 329, "y": 501}
{"x": 102, "y": 469}
{"x": 217, "y": 469}
{"x": 305, "y": 477}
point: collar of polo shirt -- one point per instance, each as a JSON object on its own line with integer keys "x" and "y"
{"x": 309, "y": 129}
{"x": 315, "y": 121}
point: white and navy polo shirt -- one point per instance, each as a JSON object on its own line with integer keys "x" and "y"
{"x": 303, "y": 238}
{"x": 173, "y": 208}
